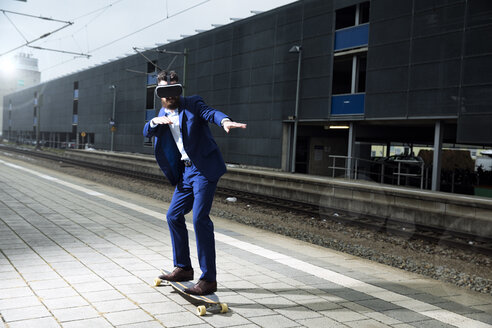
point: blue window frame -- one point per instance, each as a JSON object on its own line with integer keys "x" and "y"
{"x": 352, "y": 37}
{"x": 348, "y": 104}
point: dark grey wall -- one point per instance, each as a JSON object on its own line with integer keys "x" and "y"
{"x": 431, "y": 59}
{"x": 96, "y": 103}
{"x": 22, "y": 110}
{"x": 56, "y": 107}
{"x": 475, "y": 120}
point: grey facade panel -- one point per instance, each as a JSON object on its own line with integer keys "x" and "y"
{"x": 316, "y": 67}
{"x": 389, "y": 31}
{"x": 477, "y": 70}
{"x": 386, "y": 105}
{"x": 435, "y": 75}
{"x": 57, "y": 107}
{"x": 476, "y": 99}
{"x": 474, "y": 41}
{"x": 436, "y": 20}
{"x": 387, "y": 80}
{"x": 435, "y": 48}
{"x": 318, "y": 26}
{"x": 289, "y": 33}
{"x": 384, "y": 9}
{"x": 314, "y": 108}
{"x": 420, "y": 5}
{"x": 417, "y": 63}
{"x": 22, "y": 110}
{"x": 388, "y": 55}
{"x": 479, "y": 13}
{"x": 441, "y": 102}
{"x": 475, "y": 129}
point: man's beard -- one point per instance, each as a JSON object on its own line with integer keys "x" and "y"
{"x": 171, "y": 103}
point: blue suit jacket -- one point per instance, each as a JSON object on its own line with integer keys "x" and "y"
{"x": 194, "y": 116}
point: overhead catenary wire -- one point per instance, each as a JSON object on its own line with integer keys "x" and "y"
{"x": 102, "y": 9}
{"x": 96, "y": 10}
{"x": 146, "y": 58}
{"x": 15, "y": 26}
{"x": 39, "y": 38}
{"x": 62, "y": 51}
{"x": 148, "y": 26}
{"x": 34, "y": 16}
{"x": 132, "y": 33}
{"x": 67, "y": 23}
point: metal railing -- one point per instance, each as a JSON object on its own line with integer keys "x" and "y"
{"x": 400, "y": 169}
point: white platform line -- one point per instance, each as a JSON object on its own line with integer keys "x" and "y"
{"x": 433, "y": 312}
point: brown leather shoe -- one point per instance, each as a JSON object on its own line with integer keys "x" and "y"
{"x": 202, "y": 287}
{"x": 179, "y": 274}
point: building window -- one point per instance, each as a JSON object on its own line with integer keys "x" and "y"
{"x": 150, "y": 98}
{"x": 345, "y": 17}
{"x": 151, "y": 83}
{"x": 360, "y": 83}
{"x": 351, "y": 16}
{"x": 151, "y": 73}
{"x": 364, "y": 13}
{"x": 349, "y": 74}
{"x": 342, "y": 75}
{"x": 10, "y": 113}
{"x": 76, "y": 90}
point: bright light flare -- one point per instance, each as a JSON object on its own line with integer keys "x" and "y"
{"x": 7, "y": 65}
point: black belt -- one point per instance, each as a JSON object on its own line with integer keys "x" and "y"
{"x": 187, "y": 162}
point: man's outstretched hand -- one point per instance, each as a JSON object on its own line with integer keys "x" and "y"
{"x": 233, "y": 125}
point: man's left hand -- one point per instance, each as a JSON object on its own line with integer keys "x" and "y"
{"x": 233, "y": 125}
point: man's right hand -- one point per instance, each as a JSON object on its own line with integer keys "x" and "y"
{"x": 161, "y": 120}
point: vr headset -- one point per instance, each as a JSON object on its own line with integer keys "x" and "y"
{"x": 168, "y": 90}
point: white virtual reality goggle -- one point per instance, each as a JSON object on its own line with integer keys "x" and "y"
{"x": 168, "y": 90}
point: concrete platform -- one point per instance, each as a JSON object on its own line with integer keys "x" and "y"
{"x": 77, "y": 254}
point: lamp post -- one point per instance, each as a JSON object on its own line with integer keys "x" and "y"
{"x": 36, "y": 107}
{"x": 298, "y": 50}
{"x": 38, "y": 101}
{"x": 112, "y": 116}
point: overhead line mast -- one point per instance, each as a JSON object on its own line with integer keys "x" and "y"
{"x": 67, "y": 23}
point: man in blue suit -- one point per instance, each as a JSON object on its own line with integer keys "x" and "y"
{"x": 189, "y": 157}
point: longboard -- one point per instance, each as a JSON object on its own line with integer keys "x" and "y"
{"x": 208, "y": 303}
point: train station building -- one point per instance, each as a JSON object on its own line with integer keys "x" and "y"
{"x": 324, "y": 86}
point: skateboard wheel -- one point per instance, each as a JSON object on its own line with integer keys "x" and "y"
{"x": 201, "y": 310}
{"x": 157, "y": 281}
{"x": 223, "y": 308}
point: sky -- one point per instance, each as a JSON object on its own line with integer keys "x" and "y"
{"x": 107, "y": 29}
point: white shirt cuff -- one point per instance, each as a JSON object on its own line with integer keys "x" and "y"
{"x": 224, "y": 120}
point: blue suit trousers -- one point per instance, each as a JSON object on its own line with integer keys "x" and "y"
{"x": 193, "y": 192}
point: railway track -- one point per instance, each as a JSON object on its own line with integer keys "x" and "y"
{"x": 391, "y": 227}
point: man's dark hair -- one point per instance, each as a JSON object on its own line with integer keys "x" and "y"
{"x": 163, "y": 76}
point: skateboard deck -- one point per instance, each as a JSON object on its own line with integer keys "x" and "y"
{"x": 208, "y": 302}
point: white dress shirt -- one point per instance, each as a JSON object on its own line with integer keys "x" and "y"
{"x": 175, "y": 131}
